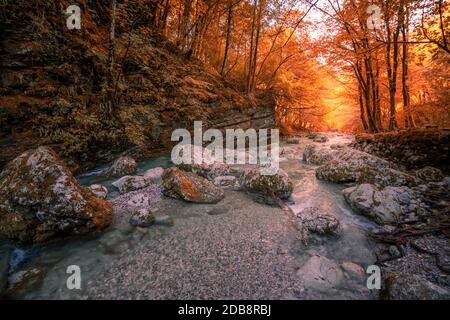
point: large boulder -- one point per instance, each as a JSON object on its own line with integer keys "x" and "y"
{"x": 267, "y": 187}
{"x": 131, "y": 183}
{"x": 318, "y": 221}
{"x": 315, "y": 155}
{"x": 349, "y": 165}
{"x": 121, "y": 167}
{"x": 389, "y": 205}
{"x": 188, "y": 186}
{"x": 401, "y": 286}
{"x": 430, "y": 174}
{"x": 40, "y": 200}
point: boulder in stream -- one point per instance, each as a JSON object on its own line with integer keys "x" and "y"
{"x": 40, "y": 200}
{"x": 131, "y": 183}
{"x": 122, "y": 166}
{"x": 142, "y": 217}
{"x": 267, "y": 187}
{"x": 320, "y": 273}
{"x": 317, "y": 221}
{"x": 388, "y": 205}
{"x": 188, "y": 186}
{"x": 350, "y": 165}
{"x": 315, "y": 155}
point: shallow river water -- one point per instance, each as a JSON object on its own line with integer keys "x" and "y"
{"x": 236, "y": 249}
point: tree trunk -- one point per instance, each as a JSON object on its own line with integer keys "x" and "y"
{"x": 409, "y": 122}
{"x": 227, "y": 43}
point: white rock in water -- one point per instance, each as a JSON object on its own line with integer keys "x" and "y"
{"x": 122, "y": 166}
{"x": 99, "y": 191}
{"x": 142, "y": 217}
{"x": 320, "y": 273}
{"x": 131, "y": 183}
{"x": 154, "y": 174}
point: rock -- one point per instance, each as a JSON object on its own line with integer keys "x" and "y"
{"x": 321, "y": 274}
{"x": 208, "y": 171}
{"x": 312, "y": 135}
{"x": 337, "y": 171}
{"x": 346, "y": 164}
{"x": 394, "y": 252}
{"x": 99, "y": 191}
{"x": 400, "y": 286}
{"x": 430, "y": 174}
{"x": 314, "y": 155}
{"x": 385, "y": 177}
{"x": 226, "y": 182}
{"x": 40, "y": 200}
{"x": 190, "y": 187}
{"x": 4, "y": 268}
{"x": 121, "y": 167}
{"x": 267, "y": 186}
{"x": 142, "y": 218}
{"x": 131, "y": 183}
{"x": 20, "y": 282}
{"x": 385, "y": 206}
{"x": 154, "y": 174}
{"x": 321, "y": 139}
{"x": 349, "y": 165}
{"x": 353, "y": 269}
{"x": 317, "y": 221}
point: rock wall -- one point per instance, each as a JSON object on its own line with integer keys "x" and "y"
{"x": 412, "y": 149}
{"x": 54, "y": 87}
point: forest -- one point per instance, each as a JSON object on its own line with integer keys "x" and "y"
{"x": 338, "y": 109}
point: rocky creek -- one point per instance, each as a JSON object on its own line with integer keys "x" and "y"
{"x": 236, "y": 246}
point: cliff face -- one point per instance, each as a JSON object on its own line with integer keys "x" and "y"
{"x": 54, "y": 86}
